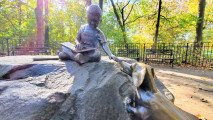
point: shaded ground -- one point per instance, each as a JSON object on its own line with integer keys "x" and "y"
{"x": 192, "y": 88}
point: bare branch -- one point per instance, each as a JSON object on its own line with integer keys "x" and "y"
{"x": 118, "y": 6}
{"x": 151, "y": 16}
{"x": 125, "y": 5}
{"x": 134, "y": 19}
{"x": 165, "y": 17}
{"x": 153, "y": 23}
{"x": 130, "y": 11}
{"x": 122, "y": 14}
{"x": 116, "y": 13}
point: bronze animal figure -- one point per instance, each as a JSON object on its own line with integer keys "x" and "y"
{"x": 149, "y": 103}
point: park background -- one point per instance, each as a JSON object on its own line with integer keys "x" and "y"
{"x": 184, "y": 26}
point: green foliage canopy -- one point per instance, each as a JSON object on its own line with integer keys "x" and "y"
{"x": 178, "y": 21}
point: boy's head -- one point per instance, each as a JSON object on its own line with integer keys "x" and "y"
{"x": 94, "y": 14}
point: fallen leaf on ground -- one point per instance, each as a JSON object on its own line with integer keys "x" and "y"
{"x": 177, "y": 84}
{"x": 173, "y": 73}
{"x": 204, "y": 78}
{"x": 200, "y": 117}
{"x": 203, "y": 100}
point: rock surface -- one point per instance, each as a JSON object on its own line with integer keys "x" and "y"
{"x": 62, "y": 90}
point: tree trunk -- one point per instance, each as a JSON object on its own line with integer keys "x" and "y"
{"x": 122, "y": 25}
{"x": 157, "y": 25}
{"x": 46, "y": 24}
{"x": 101, "y": 4}
{"x": 123, "y": 28}
{"x": 199, "y": 28}
{"x": 19, "y": 11}
{"x": 39, "y": 18}
{"x": 125, "y": 38}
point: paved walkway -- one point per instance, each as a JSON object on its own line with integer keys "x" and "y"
{"x": 192, "y": 88}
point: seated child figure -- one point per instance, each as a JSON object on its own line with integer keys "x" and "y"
{"x": 88, "y": 37}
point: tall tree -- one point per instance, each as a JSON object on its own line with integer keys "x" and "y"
{"x": 20, "y": 16}
{"x": 158, "y": 23}
{"x": 101, "y": 4}
{"x": 39, "y": 18}
{"x": 46, "y": 24}
{"x": 199, "y": 28}
{"x": 122, "y": 20}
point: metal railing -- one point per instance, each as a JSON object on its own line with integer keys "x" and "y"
{"x": 188, "y": 53}
{"x": 15, "y": 46}
{"x": 184, "y": 53}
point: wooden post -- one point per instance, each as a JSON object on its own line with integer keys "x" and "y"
{"x": 46, "y": 24}
{"x": 187, "y": 47}
{"x": 2, "y": 44}
{"x": 101, "y": 4}
{"x": 39, "y": 17}
{"x": 8, "y": 50}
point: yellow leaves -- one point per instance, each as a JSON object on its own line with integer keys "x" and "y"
{"x": 204, "y": 78}
{"x": 193, "y": 7}
{"x": 142, "y": 38}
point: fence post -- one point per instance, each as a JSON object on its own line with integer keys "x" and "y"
{"x": 187, "y": 47}
{"x": 127, "y": 49}
{"x": 8, "y": 50}
{"x": 211, "y": 56}
{"x": 144, "y": 45}
{"x": 2, "y": 45}
{"x": 163, "y": 46}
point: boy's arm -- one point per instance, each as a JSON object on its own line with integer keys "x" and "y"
{"x": 102, "y": 41}
{"x": 78, "y": 39}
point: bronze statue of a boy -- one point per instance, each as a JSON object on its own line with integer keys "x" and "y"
{"x": 88, "y": 37}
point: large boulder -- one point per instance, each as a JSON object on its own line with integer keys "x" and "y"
{"x": 62, "y": 90}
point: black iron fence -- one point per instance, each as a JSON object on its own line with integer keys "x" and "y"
{"x": 22, "y": 47}
{"x": 184, "y": 53}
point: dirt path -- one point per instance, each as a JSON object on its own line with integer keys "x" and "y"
{"x": 192, "y": 88}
